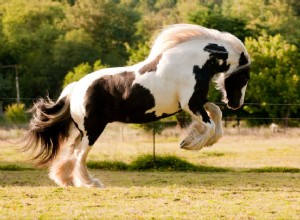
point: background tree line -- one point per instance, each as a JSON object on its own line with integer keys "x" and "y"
{"x": 54, "y": 42}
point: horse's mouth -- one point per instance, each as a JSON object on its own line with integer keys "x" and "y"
{"x": 233, "y": 106}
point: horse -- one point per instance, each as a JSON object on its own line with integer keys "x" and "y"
{"x": 175, "y": 77}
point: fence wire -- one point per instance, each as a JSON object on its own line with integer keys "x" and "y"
{"x": 228, "y": 118}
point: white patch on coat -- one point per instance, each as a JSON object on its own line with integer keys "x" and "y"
{"x": 77, "y": 99}
{"x": 243, "y": 91}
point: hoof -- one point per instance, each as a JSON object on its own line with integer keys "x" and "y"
{"x": 183, "y": 144}
{"x": 98, "y": 184}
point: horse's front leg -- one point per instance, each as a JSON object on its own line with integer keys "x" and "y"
{"x": 215, "y": 114}
{"x": 201, "y": 130}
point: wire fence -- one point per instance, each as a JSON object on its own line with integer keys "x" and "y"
{"x": 236, "y": 118}
{"x": 155, "y": 128}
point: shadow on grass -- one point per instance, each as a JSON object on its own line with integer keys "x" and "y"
{"x": 173, "y": 163}
{"x": 174, "y": 171}
{"x": 159, "y": 163}
{"x": 15, "y": 167}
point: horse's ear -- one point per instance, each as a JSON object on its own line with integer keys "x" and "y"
{"x": 215, "y": 49}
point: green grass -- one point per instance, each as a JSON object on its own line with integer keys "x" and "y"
{"x": 160, "y": 163}
{"x": 15, "y": 167}
{"x": 108, "y": 165}
{"x": 274, "y": 170}
{"x": 250, "y": 174}
{"x": 153, "y": 195}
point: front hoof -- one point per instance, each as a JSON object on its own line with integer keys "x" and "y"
{"x": 183, "y": 144}
{"x": 186, "y": 144}
{"x": 193, "y": 143}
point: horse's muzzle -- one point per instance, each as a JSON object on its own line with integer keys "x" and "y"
{"x": 233, "y": 106}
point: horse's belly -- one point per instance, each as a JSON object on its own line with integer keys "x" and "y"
{"x": 136, "y": 115}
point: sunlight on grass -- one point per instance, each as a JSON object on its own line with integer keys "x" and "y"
{"x": 248, "y": 174}
{"x": 247, "y": 148}
{"x": 160, "y": 195}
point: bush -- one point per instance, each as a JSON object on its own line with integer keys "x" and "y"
{"x": 16, "y": 113}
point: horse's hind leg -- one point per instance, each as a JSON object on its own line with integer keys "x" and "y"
{"x": 81, "y": 177}
{"x": 69, "y": 168}
{"x": 61, "y": 169}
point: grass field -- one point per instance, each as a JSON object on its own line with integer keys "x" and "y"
{"x": 242, "y": 193}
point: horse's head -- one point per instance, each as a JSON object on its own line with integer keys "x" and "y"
{"x": 235, "y": 87}
{"x": 227, "y": 58}
{"x": 234, "y": 74}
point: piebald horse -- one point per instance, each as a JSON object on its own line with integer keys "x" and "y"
{"x": 174, "y": 77}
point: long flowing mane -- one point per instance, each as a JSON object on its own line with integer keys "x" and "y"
{"x": 176, "y": 34}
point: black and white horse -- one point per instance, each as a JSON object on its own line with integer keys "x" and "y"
{"x": 175, "y": 76}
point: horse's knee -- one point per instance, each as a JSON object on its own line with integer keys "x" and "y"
{"x": 213, "y": 111}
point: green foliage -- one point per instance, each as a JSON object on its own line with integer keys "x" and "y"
{"x": 75, "y": 47}
{"x": 139, "y": 54}
{"x": 109, "y": 23}
{"x": 212, "y": 17}
{"x": 29, "y": 31}
{"x": 275, "y": 76}
{"x": 48, "y": 39}
{"x": 16, "y": 113}
{"x": 81, "y": 70}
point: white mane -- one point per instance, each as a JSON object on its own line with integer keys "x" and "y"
{"x": 173, "y": 35}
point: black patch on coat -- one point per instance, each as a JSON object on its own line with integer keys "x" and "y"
{"x": 236, "y": 81}
{"x": 215, "y": 48}
{"x": 203, "y": 76}
{"x": 198, "y": 98}
{"x": 243, "y": 59}
{"x": 217, "y": 54}
{"x": 150, "y": 67}
{"x": 233, "y": 85}
{"x": 115, "y": 98}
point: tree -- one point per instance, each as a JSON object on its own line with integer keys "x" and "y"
{"x": 155, "y": 15}
{"x": 272, "y": 16}
{"x": 212, "y": 17}
{"x": 139, "y": 54}
{"x": 110, "y": 24}
{"x": 73, "y": 48}
{"x": 275, "y": 77}
{"x": 81, "y": 70}
{"x": 30, "y": 29}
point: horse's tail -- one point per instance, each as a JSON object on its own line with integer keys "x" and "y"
{"x": 49, "y": 127}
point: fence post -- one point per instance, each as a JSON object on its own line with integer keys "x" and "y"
{"x": 153, "y": 134}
